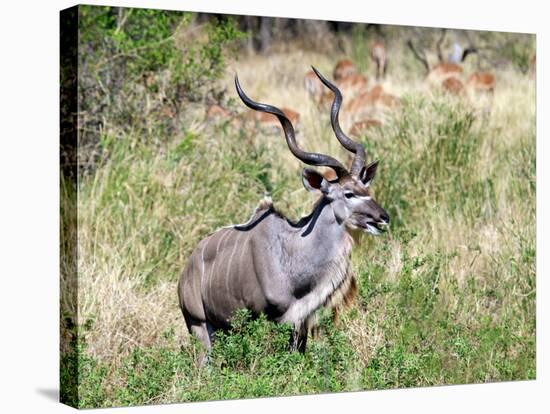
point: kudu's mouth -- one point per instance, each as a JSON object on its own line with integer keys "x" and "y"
{"x": 371, "y": 226}
{"x": 376, "y": 227}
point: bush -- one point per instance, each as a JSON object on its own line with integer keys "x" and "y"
{"x": 137, "y": 67}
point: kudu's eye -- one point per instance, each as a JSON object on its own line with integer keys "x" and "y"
{"x": 349, "y": 195}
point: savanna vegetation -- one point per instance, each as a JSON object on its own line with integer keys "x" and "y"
{"x": 447, "y": 296}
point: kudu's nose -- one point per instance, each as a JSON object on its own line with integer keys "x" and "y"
{"x": 385, "y": 217}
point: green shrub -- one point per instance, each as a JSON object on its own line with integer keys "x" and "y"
{"x": 138, "y": 68}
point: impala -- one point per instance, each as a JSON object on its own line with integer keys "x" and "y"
{"x": 481, "y": 82}
{"x": 269, "y": 123}
{"x": 265, "y": 121}
{"x": 378, "y": 55}
{"x": 343, "y": 69}
{"x": 447, "y": 74}
{"x": 354, "y": 83}
{"x": 453, "y": 85}
{"x": 270, "y": 264}
{"x": 346, "y": 77}
{"x": 350, "y": 86}
{"x": 313, "y": 85}
{"x": 375, "y": 100}
{"x": 439, "y": 72}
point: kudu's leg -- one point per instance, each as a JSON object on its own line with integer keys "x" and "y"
{"x": 203, "y": 331}
{"x": 298, "y": 338}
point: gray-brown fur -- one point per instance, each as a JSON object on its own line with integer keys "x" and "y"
{"x": 286, "y": 270}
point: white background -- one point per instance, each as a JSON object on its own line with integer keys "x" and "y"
{"x": 29, "y": 115}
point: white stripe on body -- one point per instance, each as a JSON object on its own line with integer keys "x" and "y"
{"x": 241, "y": 259}
{"x": 206, "y": 240}
{"x": 230, "y": 261}
{"x": 213, "y": 266}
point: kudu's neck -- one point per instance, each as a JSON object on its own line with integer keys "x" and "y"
{"x": 320, "y": 220}
{"x": 317, "y": 250}
{"x": 320, "y": 236}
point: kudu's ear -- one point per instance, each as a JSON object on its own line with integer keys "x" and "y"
{"x": 314, "y": 181}
{"x": 368, "y": 172}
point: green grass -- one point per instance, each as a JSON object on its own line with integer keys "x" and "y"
{"x": 427, "y": 342}
{"x": 446, "y": 297}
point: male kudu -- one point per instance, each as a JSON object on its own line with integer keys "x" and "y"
{"x": 287, "y": 270}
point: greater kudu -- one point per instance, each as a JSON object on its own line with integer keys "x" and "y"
{"x": 287, "y": 270}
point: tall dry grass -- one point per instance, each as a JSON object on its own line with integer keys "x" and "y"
{"x": 458, "y": 180}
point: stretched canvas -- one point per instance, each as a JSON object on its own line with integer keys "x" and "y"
{"x": 256, "y": 206}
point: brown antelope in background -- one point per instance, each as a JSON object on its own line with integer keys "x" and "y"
{"x": 349, "y": 86}
{"x": 481, "y": 87}
{"x": 453, "y": 86}
{"x": 481, "y": 82}
{"x": 354, "y": 83}
{"x": 266, "y": 122}
{"x": 343, "y": 69}
{"x": 443, "y": 71}
{"x": 270, "y": 264}
{"x": 313, "y": 85}
{"x": 448, "y": 75}
{"x": 346, "y": 79}
{"x": 378, "y": 55}
{"x": 269, "y": 123}
{"x": 374, "y": 101}
{"x": 437, "y": 74}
